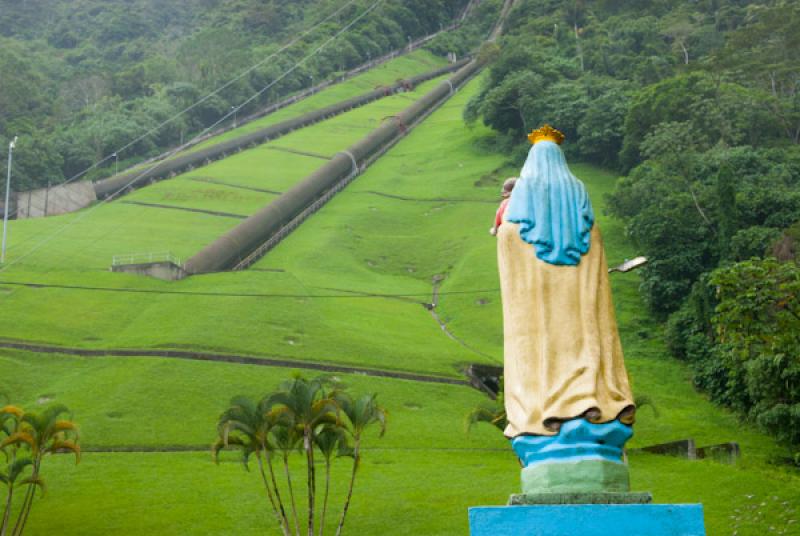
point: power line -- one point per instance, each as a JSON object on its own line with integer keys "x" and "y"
{"x": 82, "y": 215}
{"x": 128, "y": 290}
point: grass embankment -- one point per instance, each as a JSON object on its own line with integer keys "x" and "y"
{"x": 444, "y": 190}
{"x": 407, "y": 66}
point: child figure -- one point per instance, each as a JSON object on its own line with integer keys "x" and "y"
{"x": 508, "y": 186}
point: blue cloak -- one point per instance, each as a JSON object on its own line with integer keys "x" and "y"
{"x": 551, "y": 207}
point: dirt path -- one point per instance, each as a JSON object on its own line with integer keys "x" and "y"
{"x": 437, "y": 283}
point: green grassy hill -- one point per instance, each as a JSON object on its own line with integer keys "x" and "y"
{"x": 346, "y": 288}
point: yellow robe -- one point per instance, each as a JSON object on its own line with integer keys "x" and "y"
{"x": 563, "y": 356}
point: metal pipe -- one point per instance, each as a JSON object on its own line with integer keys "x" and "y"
{"x": 239, "y": 243}
{"x": 180, "y": 163}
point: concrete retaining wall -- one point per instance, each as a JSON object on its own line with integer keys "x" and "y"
{"x": 58, "y": 199}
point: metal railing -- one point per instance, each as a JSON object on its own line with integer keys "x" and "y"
{"x": 145, "y": 258}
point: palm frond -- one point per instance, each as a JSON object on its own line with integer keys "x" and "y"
{"x": 63, "y": 425}
{"x": 16, "y": 468}
{"x": 35, "y": 481}
{"x": 216, "y": 447}
{"x": 20, "y": 437}
{"x": 12, "y": 410}
{"x": 641, "y": 400}
{"x": 67, "y": 445}
{"x": 488, "y": 412}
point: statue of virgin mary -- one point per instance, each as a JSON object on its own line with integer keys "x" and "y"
{"x": 564, "y": 369}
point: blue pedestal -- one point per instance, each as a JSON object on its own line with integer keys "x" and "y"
{"x": 588, "y": 520}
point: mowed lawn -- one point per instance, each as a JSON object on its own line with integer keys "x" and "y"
{"x": 348, "y": 287}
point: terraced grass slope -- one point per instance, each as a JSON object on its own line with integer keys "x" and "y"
{"x": 402, "y": 67}
{"x": 203, "y": 203}
{"x": 346, "y": 288}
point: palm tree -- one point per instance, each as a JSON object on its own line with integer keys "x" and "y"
{"x": 301, "y": 416}
{"x": 40, "y": 433}
{"x": 305, "y": 405}
{"x": 330, "y": 440}
{"x": 360, "y": 413}
{"x": 491, "y": 412}
{"x": 9, "y": 426}
{"x": 10, "y": 477}
{"x": 288, "y": 440}
{"x": 246, "y": 426}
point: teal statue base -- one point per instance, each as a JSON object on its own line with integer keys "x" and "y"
{"x": 588, "y": 520}
{"x": 584, "y": 476}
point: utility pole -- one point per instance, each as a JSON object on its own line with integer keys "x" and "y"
{"x": 11, "y": 147}
{"x": 46, "y": 198}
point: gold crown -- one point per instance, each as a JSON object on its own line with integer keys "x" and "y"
{"x": 546, "y": 133}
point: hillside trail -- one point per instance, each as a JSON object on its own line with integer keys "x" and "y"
{"x": 437, "y": 284}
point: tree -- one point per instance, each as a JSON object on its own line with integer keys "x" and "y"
{"x": 28, "y": 438}
{"x": 764, "y": 55}
{"x": 600, "y": 131}
{"x": 671, "y": 100}
{"x": 492, "y": 412}
{"x": 305, "y": 406}
{"x": 331, "y": 442}
{"x": 361, "y": 413}
{"x": 300, "y": 416}
{"x": 679, "y": 29}
{"x": 246, "y": 426}
{"x": 757, "y": 324}
{"x": 726, "y": 193}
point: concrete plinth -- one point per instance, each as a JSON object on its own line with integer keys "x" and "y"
{"x": 588, "y": 520}
{"x": 165, "y": 270}
{"x": 603, "y": 497}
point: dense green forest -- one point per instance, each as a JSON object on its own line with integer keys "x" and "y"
{"x": 82, "y": 79}
{"x": 698, "y": 103}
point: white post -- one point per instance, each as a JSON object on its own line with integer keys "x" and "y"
{"x": 8, "y": 192}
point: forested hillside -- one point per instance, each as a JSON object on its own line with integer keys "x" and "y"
{"x": 82, "y": 79}
{"x": 699, "y": 104}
